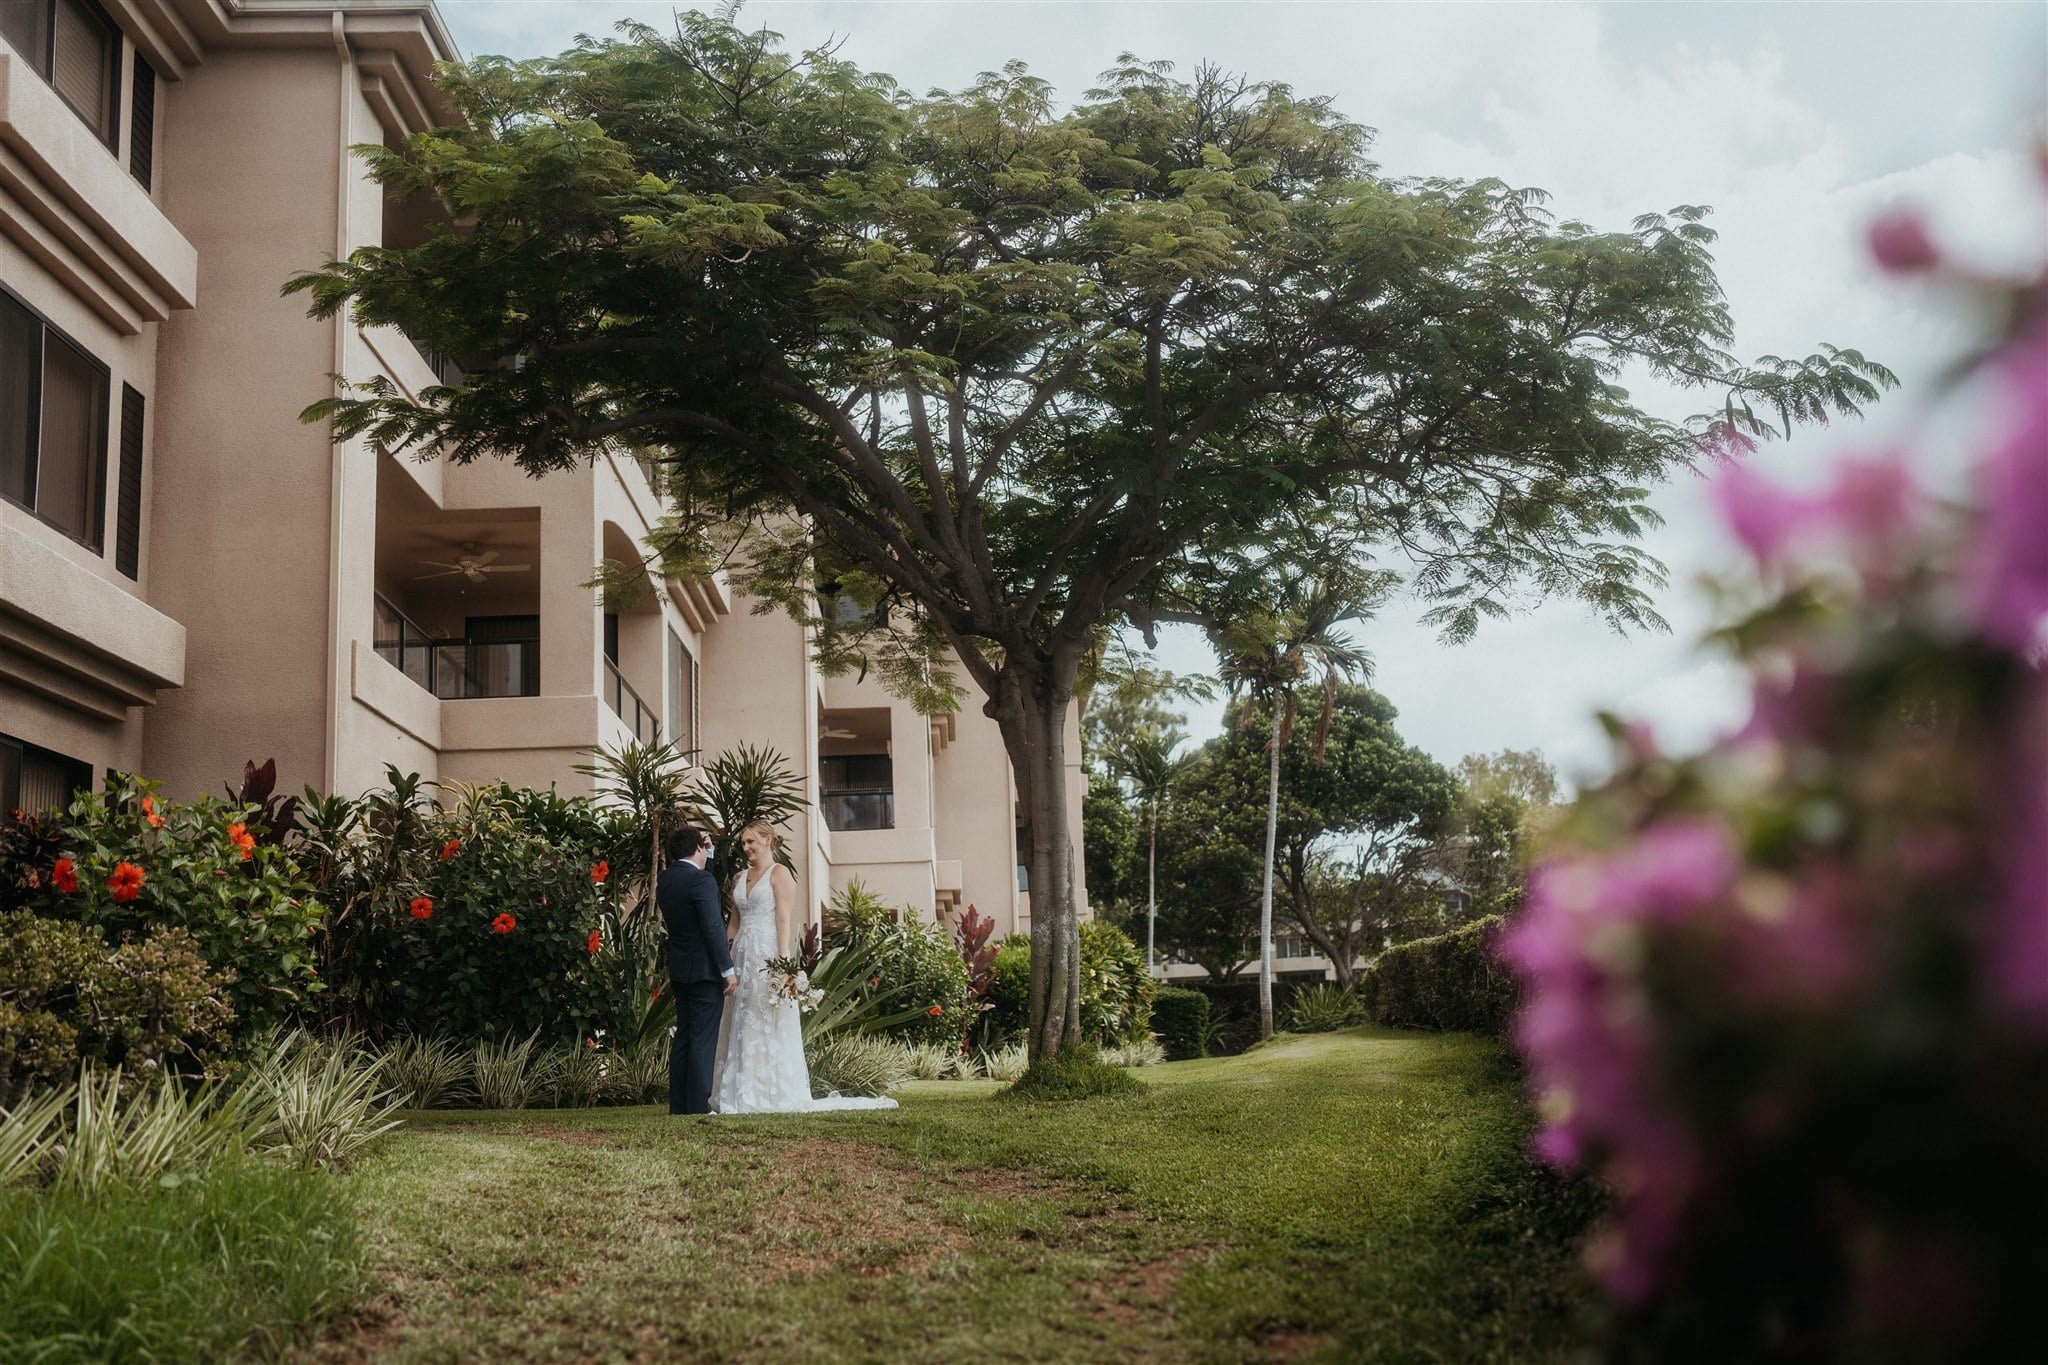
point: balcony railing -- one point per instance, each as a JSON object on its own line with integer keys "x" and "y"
{"x": 445, "y": 369}
{"x": 456, "y": 670}
{"x": 640, "y": 718}
{"x": 858, "y": 810}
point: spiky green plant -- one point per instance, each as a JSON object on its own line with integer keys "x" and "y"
{"x": 1323, "y": 1008}
{"x": 739, "y": 787}
{"x": 650, "y": 782}
{"x": 1144, "y": 1051}
{"x": 31, "y": 1131}
{"x": 857, "y": 1064}
{"x": 1003, "y": 1063}
{"x": 427, "y": 1072}
{"x": 510, "y": 1075}
{"x": 323, "y": 1101}
{"x": 153, "y": 1132}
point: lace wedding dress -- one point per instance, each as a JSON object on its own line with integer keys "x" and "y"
{"x": 760, "y": 1066}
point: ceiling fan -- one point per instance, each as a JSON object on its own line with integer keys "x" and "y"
{"x": 474, "y": 563}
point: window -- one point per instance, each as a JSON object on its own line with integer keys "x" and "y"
{"x": 76, "y": 48}
{"x": 53, "y": 425}
{"x": 859, "y": 791}
{"x": 142, "y": 124}
{"x": 128, "y": 500}
{"x": 35, "y": 780}
{"x": 682, "y": 693}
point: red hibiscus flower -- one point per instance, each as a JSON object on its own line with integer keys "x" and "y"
{"x": 64, "y": 876}
{"x": 422, "y": 907}
{"x": 126, "y": 882}
{"x": 936, "y": 1010}
{"x": 594, "y": 942}
{"x": 243, "y": 840}
{"x": 504, "y": 924}
{"x": 149, "y": 812}
{"x": 450, "y": 849}
{"x": 600, "y": 872}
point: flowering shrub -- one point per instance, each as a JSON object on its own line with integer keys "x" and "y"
{"x": 1790, "y": 996}
{"x": 126, "y": 862}
{"x": 485, "y": 919}
{"x": 915, "y": 961}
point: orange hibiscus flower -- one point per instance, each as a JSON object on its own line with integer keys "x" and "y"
{"x": 504, "y": 924}
{"x": 243, "y": 840}
{"x": 594, "y": 942}
{"x": 936, "y": 1010}
{"x": 450, "y": 849}
{"x": 149, "y": 812}
{"x": 125, "y": 882}
{"x": 64, "y": 876}
{"x": 600, "y": 872}
{"x": 422, "y": 907}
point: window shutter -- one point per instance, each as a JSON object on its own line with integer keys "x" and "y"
{"x": 128, "y": 509}
{"x": 142, "y": 124}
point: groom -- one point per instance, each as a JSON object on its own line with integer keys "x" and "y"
{"x": 699, "y": 967}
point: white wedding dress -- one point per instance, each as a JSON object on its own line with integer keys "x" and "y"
{"x": 760, "y": 1066}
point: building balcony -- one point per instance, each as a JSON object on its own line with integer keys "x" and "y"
{"x": 458, "y": 669}
{"x": 641, "y": 719}
{"x": 75, "y": 208}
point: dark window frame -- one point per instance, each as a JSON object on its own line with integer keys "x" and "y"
{"x": 44, "y": 64}
{"x": 142, "y": 121}
{"x": 11, "y": 776}
{"x": 837, "y": 784}
{"x": 96, "y": 541}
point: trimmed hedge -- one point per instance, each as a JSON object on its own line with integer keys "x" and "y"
{"x": 1180, "y": 1021}
{"x": 1451, "y": 983}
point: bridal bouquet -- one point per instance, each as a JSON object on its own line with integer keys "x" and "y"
{"x": 789, "y": 984}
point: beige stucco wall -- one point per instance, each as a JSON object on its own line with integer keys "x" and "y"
{"x": 242, "y": 498}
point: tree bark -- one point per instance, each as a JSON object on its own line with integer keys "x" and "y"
{"x": 1032, "y": 715}
{"x": 1152, "y": 892}
{"x": 1266, "y": 895}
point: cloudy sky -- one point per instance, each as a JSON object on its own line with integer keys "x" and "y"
{"x": 1796, "y": 122}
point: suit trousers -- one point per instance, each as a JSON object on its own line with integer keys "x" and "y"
{"x": 700, "y": 1005}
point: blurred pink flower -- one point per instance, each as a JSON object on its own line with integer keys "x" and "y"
{"x": 2008, "y": 571}
{"x": 1899, "y": 241}
{"x": 1763, "y": 516}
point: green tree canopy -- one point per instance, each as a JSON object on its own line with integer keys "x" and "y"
{"x": 1007, "y": 374}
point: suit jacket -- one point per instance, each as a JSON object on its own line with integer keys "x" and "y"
{"x": 688, "y": 898}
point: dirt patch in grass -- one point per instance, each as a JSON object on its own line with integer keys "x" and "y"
{"x": 1130, "y": 1294}
{"x": 792, "y": 1210}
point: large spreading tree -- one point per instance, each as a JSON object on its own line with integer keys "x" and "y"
{"x": 1008, "y": 376}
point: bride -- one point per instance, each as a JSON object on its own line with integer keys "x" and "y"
{"x": 759, "y": 1066}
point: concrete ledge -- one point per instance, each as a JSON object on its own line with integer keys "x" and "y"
{"x": 81, "y": 195}
{"x": 378, "y": 685}
{"x": 912, "y": 845}
{"x": 78, "y": 638}
{"x": 522, "y": 723}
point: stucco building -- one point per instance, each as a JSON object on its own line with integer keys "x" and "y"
{"x": 190, "y": 576}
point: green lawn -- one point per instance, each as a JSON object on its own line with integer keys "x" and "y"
{"x": 1355, "y": 1196}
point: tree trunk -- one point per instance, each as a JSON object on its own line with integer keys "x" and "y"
{"x": 1266, "y": 895}
{"x": 1151, "y": 892}
{"x": 1032, "y": 715}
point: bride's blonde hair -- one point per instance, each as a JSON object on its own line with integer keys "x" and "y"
{"x": 766, "y": 831}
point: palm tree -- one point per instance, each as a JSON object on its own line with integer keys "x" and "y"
{"x": 1276, "y": 653}
{"x": 1148, "y": 762}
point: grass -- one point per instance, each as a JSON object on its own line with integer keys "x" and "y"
{"x": 1356, "y": 1195}
{"x": 239, "y": 1262}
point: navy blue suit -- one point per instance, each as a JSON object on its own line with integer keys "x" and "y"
{"x": 698, "y": 962}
